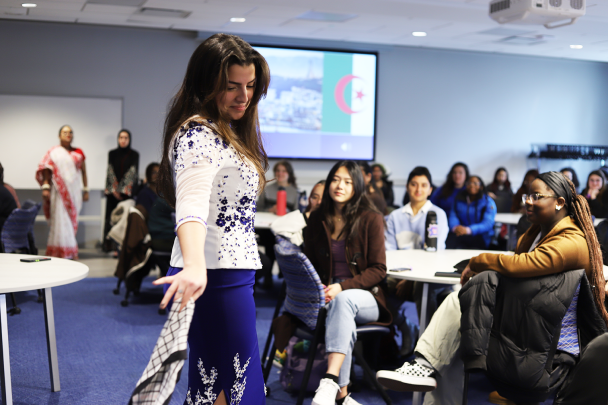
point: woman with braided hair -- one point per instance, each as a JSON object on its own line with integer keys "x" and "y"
{"x": 561, "y": 239}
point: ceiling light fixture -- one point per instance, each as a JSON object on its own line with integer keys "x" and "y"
{"x": 29, "y": 5}
{"x": 237, "y": 19}
{"x": 419, "y": 34}
{"x": 576, "y": 46}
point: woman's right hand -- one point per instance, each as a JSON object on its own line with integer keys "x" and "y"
{"x": 188, "y": 283}
{"x": 117, "y": 195}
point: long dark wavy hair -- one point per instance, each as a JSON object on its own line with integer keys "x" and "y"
{"x": 494, "y": 185}
{"x": 352, "y": 210}
{"x": 448, "y": 187}
{"x": 289, "y": 168}
{"x": 602, "y": 176}
{"x": 206, "y": 78}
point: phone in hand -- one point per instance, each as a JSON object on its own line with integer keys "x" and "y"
{"x": 35, "y": 259}
{"x": 399, "y": 269}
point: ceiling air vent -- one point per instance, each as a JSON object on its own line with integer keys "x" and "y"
{"x": 162, "y": 12}
{"x": 555, "y": 3}
{"x": 577, "y": 4}
{"x": 499, "y": 6}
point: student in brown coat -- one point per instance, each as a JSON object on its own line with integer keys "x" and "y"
{"x": 344, "y": 241}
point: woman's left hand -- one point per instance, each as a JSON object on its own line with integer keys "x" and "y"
{"x": 331, "y": 291}
{"x": 466, "y": 275}
{"x": 85, "y": 196}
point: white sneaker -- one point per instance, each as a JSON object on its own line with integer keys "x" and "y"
{"x": 326, "y": 393}
{"x": 411, "y": 376}
{"x": 350, "y": 401}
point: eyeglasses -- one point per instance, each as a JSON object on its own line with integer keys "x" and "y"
{"x": 535, "y": 197}
{"x": 473, "y": 183}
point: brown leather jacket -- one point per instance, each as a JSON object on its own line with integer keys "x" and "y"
{"x": 365, "y": 255}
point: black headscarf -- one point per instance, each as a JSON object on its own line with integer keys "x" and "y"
{"x": 558, "y": 183}
{"x": 121, "y": 159}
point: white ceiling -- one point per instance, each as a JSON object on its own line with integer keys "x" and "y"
{"x": 450, "y": 24}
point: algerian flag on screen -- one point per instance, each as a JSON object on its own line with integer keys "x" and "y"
{"x": 348, "y": 93}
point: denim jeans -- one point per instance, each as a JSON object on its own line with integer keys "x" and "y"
{"x": 347, "y": 310}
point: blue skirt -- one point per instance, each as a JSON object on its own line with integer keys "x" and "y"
{"x": 224, "y": 353}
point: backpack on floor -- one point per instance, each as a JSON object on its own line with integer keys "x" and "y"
{"x": 292, "y": 373}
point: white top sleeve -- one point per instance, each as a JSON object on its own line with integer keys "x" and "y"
{"x": 196, "y": 162}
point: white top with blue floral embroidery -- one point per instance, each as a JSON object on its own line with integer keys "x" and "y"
{"x": 217, "y": 188}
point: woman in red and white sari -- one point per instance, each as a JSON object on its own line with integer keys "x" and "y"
{"x": 59, "y": 177}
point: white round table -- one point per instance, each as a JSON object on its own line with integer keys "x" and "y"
{"x": 19, "y": 276}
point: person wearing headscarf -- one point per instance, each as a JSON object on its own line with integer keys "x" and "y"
{"x": 121, "y": 177}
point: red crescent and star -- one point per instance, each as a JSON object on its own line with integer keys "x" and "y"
{"x": 339, "y": 94}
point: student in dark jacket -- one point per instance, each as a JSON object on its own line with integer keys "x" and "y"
{"x": 344, "y": 241}
{"x": 562, "y": 238}
{"x": 594, "y": 193}
{"x": 444, "y": 196}
{"x": 500, "y": 190}
{"x": 472, "y": 217}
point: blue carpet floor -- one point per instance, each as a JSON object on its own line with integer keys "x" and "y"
{"x": 103, "y": 348}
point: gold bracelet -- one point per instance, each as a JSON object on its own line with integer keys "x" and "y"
{"x": 46, "y": 186}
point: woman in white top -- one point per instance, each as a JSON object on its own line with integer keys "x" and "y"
{"x": 212, "y": 167}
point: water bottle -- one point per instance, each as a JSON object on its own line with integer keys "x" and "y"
{"x": 281, "y": 201}
{"x": 302, "y": 201}
{"x": 431, "y": 232}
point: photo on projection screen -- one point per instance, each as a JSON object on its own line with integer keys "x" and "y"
{"x": 320, "y": 104}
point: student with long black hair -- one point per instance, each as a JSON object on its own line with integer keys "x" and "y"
{"x": 472, "y": 217}
{"x": 500, "y": 190}
{"x": 562, "y": 238}
{"x": 344, "y": 241}
{"x": 212, "y": 167}
{"x": 444, "y": 196}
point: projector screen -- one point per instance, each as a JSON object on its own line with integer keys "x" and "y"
{"x": 320, "y": 104}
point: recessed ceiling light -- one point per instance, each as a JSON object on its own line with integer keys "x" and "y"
{"x": 29, "y": 5}
{"x": 237, "y": 19}
{"x": 419, "y": 34}
{"x": 576, "y": 46}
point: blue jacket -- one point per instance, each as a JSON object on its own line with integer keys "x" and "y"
{"x": 478, "y": 215}
{"x": 445, "y": 204}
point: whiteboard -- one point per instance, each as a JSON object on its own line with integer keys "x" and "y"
{"x": 29, "y": 126}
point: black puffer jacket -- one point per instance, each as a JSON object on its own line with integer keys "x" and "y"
{"x": 510, "y": 327}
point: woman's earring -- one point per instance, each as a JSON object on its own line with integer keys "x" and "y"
{"x": 557, "y": 207}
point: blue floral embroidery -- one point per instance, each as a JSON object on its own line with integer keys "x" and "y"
{"x": 220, "y": 222}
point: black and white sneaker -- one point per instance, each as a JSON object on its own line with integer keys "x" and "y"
{"x": 412, "y": 376}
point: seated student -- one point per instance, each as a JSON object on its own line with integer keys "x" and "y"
{"x": 571, "y": 175}
{"x": 518, "y": 206}
{"x": 382, "y": 183}
{"x": 347, "y": 223}
{"x": 285, "y": 177}
{"x": 405, "y": 229}
{"x": 472, "y": 218}
{"x": 161, "y": 225}
{"x": 405, "y": 226}
{"x": 594, "y": 193}
{"x": 147, "y": 195}
{"x": 7, "y": 202}
{"x": 444, "y": 196}
{"x": 500, "y": 190}
{"x": 561, "y": 239}
{"x": 374, "y": 193}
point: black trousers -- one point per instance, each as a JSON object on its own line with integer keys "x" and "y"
{"x": 585, "y": 382}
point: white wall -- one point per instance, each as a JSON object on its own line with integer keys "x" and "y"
{"x": 434, "y": 106}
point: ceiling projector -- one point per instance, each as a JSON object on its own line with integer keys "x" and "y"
{"x": 550, "y": 13}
